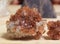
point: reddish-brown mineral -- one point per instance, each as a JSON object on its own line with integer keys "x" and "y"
{"x": 26, "y": 22}
{"x": 54, "y": 30}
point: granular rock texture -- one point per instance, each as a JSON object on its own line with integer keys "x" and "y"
{"x": 27, "y": 22}
{"x": 54, "y": 30}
